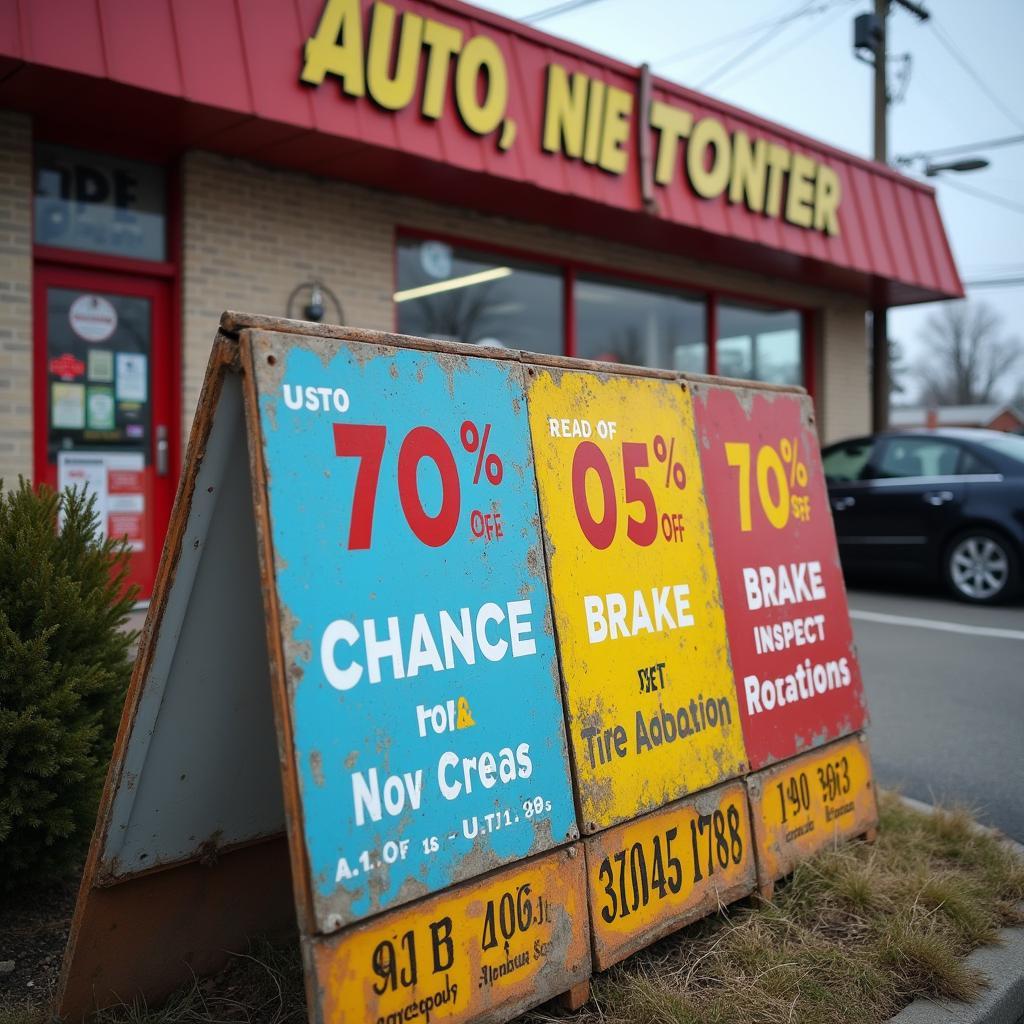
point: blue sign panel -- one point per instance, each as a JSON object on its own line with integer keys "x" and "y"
{"x": 423, "y": 682}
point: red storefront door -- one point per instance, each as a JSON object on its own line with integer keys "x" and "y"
{"x": 103, "y": 401}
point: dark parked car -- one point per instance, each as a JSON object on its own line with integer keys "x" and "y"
{"x": 937, "y": 504}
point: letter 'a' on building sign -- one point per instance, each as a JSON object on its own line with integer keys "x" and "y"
{"x": 797, "y": 677}
{"x": 650, "y": 698}
{"x": 346, "y": 706}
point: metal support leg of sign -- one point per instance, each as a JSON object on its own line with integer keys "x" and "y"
{"x": 188, "y": 857}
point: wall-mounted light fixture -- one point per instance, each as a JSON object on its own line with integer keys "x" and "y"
{"x": 313, "y": 309}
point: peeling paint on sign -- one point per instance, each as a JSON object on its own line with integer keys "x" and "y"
{"x": 797, "y": 677}
{"x": 423, "y": 682}
{"x": 810, "y": 803}
{"x": 487, "y": 951}
{"x": 650, "y": 698}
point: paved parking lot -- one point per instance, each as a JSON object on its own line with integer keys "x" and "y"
{"x": 945, "y": 684}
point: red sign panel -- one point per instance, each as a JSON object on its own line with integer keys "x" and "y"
{"x": 797, "y": 676}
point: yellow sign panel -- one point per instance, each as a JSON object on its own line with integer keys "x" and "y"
{"x": 491, "y": 948}
{"x": 649, "y": 689}
{"x": 653, "y": 875}
{"x": 806, "y": 804}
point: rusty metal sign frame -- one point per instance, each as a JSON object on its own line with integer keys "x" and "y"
{"x": 147, "y": 918}
{"x": 144, "y": 925}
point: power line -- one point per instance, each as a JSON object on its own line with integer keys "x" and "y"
{"x": 996, "y": 268}
{"x": 784, "y": 50}
{"x": 1007, "y": 204}
{"x": 555, "y": 10}
{"x": 756, "y": 44}
{"x": 954, "y": 51}
{"x": 742, "y": 33}
{"x": 995, "y": 282}
{"x": 1006, "y": 140}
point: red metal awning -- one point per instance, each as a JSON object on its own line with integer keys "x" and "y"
{"x": 162, "y": 76}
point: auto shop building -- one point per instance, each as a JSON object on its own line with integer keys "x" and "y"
{"x": 426, "y": 167}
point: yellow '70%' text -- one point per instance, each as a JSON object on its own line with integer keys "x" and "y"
{"x": 773, "y": 482}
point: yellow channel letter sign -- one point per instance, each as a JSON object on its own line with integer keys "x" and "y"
{"x": 641, "y": 633}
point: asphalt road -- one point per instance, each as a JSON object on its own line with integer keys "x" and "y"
{"x": 946, "y": 699}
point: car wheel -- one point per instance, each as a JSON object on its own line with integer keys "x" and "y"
{"x": 982, "y": 567}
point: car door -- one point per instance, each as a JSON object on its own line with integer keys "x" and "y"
{"x": 846, "y": 466}
{"x": 911, "y": 500}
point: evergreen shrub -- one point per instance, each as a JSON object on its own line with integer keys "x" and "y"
{"x": 65, "y": 661}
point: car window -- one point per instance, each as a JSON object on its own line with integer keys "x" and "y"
{"x": 846, "y": 462}
{"x": 1008, "y": 444}
{"x": 916, "y": 456}
{"x": 971, "y": 464}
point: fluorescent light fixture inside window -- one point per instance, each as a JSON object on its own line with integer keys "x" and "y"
{"x": 451, "y": 284}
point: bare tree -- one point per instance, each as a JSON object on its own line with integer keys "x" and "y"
{"x": 898, "y": 368}
{"x": 967, "y": 358}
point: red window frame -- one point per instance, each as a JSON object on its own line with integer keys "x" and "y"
{"x": 570, "y": 268}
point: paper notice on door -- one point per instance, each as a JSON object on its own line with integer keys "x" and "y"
{"x": 67, "y": 406}
{"x": 131, "y": 377}
{"x": 85, "y": 471}
{"x": 100, "y": 408}
{"x": 101, "y": 365}
{"x": 118, "y": 482}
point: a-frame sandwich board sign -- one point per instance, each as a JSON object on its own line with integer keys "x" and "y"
{"x": 345, "y": 711}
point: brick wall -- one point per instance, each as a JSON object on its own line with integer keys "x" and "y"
{"x": 15, "y": 297}
{"x": 251, "y": 234}
{"x": 845, "y": 387}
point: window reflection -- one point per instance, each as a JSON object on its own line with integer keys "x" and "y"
{"x": 99, "y": 203}
{"x": 760, "y": 343}
{"x": 624, "y": 323}
{"x": 455, "y": 294}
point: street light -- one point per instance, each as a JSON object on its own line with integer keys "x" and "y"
{"x": 974, "y": 163}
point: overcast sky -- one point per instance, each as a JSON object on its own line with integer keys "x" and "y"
{"x": 804, "y": 75}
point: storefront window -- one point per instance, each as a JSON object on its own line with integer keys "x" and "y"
{"x": 456, "y": 294}
{"x": 98, "y": 203}
{"x": 760, "y": 343}
{"x": 624, "y": 323}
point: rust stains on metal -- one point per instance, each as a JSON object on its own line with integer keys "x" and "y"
{"x": 481, "y": 980}
{"x": 316, "y": 767}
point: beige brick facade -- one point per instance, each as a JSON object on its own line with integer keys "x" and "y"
{"x": 15, "y": 297}
{"x": 251, "y": 234}
{"x": 844, "y": 408}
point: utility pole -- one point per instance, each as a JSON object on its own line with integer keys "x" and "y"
{"x": 880, "y": 310}
{"x": 880, "y": 313}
